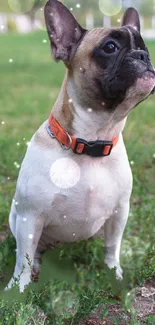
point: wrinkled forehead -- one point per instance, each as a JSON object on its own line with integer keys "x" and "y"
{"x": 126, "y": 35}
{"x": 129, "y": 36}
{"x": 93, "y": 37}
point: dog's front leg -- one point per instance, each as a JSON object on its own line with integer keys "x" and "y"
{"x": 113, "y": 232}
{"x": 28, "y": 234}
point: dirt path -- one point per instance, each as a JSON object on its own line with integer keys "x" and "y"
{"x": 144, "y": 306}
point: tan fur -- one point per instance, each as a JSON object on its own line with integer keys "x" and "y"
{"x": 63, "y": 110}
{"x": 97, "y": 203}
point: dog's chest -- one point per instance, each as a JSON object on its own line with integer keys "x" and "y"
{"x": 75, "y": 195}
{"x": 79, "y": 211}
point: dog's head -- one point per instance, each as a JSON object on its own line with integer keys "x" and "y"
{"x": 107, "y": 66}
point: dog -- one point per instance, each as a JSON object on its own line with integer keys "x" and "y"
{"x": 75, "y": 181}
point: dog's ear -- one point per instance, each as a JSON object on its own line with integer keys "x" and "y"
{"x": 131, "y": 18}
{"x": 64, "y": 31}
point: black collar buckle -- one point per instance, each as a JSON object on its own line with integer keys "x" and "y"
{"x": 94, "y": 148}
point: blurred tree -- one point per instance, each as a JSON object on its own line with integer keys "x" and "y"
{"x": 146, "y": 8}
{"x": 31, "y": 13}
{"x": 127, "y": 3}
{"x": 85, "y": 5}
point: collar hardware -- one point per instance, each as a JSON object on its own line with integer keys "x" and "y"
{"x": 94, "y": 148}
{"x": 49, "y": 131}
{"x": 79, "y": 146}
{"x": 70, "y": 144}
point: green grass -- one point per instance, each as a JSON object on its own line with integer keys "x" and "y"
{"x": 29, "y": 87}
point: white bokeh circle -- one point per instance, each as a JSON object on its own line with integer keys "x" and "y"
{"x": 20, "y": 6}
{"x": 40, "y": 19}
{"x": 65, "y": 173}
{"x": 110, "y": 7}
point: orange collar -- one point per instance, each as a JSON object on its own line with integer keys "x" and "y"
{"x": 80, "y": 146}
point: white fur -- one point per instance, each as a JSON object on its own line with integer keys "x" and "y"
{"x": 96, "y": 203}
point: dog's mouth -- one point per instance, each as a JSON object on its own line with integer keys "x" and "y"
{"x": 149, "y": 73}
{"x": 146, "y": 82}
{"x": 138, "y": 81}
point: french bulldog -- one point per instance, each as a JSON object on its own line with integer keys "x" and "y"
{"x": 75, "y": 181}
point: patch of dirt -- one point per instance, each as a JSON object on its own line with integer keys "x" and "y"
{"x": 115, "y": 312}
{"x": 144, "y": 306}
{"x": 4, "y": 232}
{"x": 144, "y": 303}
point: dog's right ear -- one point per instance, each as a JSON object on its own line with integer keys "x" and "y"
{"x": 131, "y": 18}
{"x": 64, "y": 31}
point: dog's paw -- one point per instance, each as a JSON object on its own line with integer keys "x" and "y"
{"x": 119, "y": 273}
{"x": 114, "y": 264}
{"x": 11, "y": 284}
{"x": 22, "y": 282}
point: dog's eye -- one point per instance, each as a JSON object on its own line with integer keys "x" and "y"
{"x": 110, "y": 47}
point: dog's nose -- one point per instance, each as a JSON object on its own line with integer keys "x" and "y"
{"x": 141, "y": 55}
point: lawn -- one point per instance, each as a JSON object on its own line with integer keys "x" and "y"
{"x": 30, "y": 83}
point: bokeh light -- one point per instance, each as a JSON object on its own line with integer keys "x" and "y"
{"x": 40, "y": 19}
{"x": 20, "y": 6}
{"x": 110, "y": 7}
{"x": 65, "y": 173}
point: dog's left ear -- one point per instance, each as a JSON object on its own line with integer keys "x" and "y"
{"x": 64, "y": 31}
{"x": 131, "y": 18}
